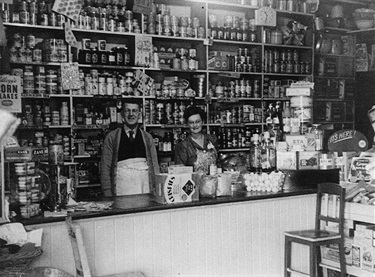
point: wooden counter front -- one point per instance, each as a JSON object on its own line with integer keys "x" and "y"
{"x": 240, "y": 235}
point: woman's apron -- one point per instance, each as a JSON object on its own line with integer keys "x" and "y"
{"x": 132, "y": 177}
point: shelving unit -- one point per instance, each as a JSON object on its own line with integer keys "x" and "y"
{"x": 355, "y": 212}
{"x": 334, "y": 96}
{"x": 216, "y": 107}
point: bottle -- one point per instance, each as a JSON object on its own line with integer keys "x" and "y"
{"x": 253, "y": 36}
{"x": 318, "y": 135}
{"x": 270, "y": 161}
{"x": 193, "y": 63}
{"x": 47, "y": 115}
{"x": 248, "y": 89}
{"x": 242, "y": 89}
{"x": 64, "y": 114}
{"x": 286, "y": 118}
{"x": 111, "y": 57}
{"x": 255, "y": 152}
{"x": 94, "y": 55}
{"x": 229, "y": 139}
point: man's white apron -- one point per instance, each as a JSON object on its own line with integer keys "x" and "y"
{"x": 132, "y": 177}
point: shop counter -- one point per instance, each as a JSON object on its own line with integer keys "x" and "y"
{"x": 239, "y": 235}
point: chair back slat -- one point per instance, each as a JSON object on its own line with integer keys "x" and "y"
{"x": 330, "y": 206}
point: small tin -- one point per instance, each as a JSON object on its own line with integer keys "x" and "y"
{"x": 60, "y": 20}
{"x": 102, "y": 44}
{"x": 52, "y": 20}
{"x": 43, "y": 20}
{"x": 56, "y": 154}
{"x": 86, "y": 43}
{"x": 37, "y": 55}
{"x": 33, "y": 19}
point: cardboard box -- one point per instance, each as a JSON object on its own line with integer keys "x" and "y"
{"x": 298, "y": 92}
{"x": 346, "y": 67}
{"x": 359, "y": 169}
{"x": 286, "y": 160}
{"x": 26, "y": 154}
{"x": 178, "y": 169}
{"x": 296, "y": 142}
{"x": 356, "y": 255}
{"x": 366, "y": 251}
{"x": 175, "y": 188}
{"x": 308, "y": 160}
{"x": 332, "y": 253}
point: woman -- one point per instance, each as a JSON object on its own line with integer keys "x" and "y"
{"x": 198, "y": 149}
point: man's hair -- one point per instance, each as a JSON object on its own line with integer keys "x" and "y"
{"x": 193, "y": 110}
{"x": 132, "y": 101}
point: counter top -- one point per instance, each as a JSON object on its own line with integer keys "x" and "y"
{"x": 144, "y": 203}
{"x": 297, "y": 182}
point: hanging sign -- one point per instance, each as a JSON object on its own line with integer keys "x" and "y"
{"x": 143, "y": 50}
{"x": 347, "y": 141}
{"x": 70, "y": 76}
{"x": 69, "y": 36}
{"x": 10, "y": 93}
{"x": 143, "y": 82}
{"x": 69, "y": 8}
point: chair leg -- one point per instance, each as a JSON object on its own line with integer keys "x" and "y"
{"x": 287, "y": 256}
{"x": 313, "y": 260}
{"x": 319, "y": 260}
{"x": 342, "y": 258}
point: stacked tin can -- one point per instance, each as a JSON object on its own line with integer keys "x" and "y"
{"x": 34, "y": 13}
{"x": 54, "y": 50}
{"x": 161, "y": 22}
{"x": 112, "y": 17}
{"x": 103, "y": 83}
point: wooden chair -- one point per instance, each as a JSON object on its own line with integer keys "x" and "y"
{"x": 79, "y": 252}
{"x": 327, "y": 211}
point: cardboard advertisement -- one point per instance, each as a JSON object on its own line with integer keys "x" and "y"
{"x": 10, "y": 93}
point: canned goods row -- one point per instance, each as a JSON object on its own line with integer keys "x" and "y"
{"x": 236, "y": 89}
{"x": 86, "y": 22}
{"x": 175, "y": 31}
{"x": 103, "y": 83}
{"x": 164, "y": 113}
{"x": 38, "y": 82}
{"x": 167, "y": 20}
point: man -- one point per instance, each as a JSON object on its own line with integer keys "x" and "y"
{"x": 129, "y": 160}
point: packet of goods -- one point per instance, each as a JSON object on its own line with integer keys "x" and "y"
{"x": 224, "y": 184}
{"x": 264, "y": 182}
{"x": 15, "y": 233}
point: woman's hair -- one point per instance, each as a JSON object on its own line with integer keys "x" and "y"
{"x": 193, "y": 110}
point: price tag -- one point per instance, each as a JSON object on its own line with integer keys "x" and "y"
{"x": 236, "y": 75}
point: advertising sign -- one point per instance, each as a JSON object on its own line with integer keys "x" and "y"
{"x": 10, "y": 93}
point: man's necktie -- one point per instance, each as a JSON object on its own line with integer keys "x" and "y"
{"x": 131, "y": 135}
